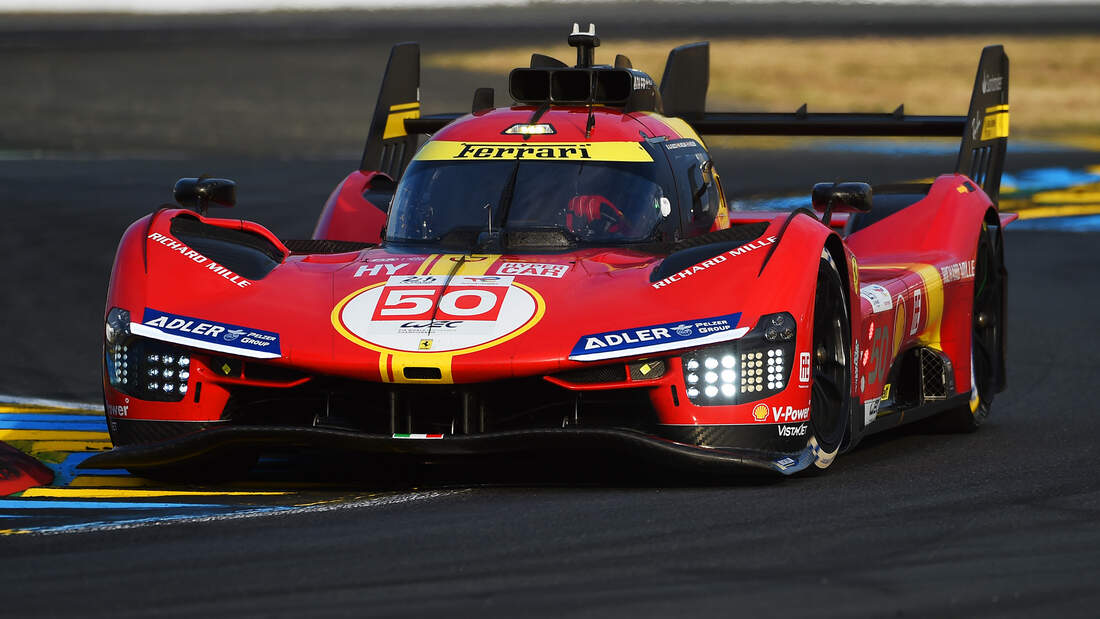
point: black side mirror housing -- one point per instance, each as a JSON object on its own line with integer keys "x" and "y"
{"x": 702, "y": 176}
{"x": 842, "y": 197}
{"x": 201, "y": 192}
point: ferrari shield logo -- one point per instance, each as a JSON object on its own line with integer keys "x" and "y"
{"x": 425, "y": 345}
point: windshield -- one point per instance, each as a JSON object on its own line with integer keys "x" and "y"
{"x": 590, "y": 201}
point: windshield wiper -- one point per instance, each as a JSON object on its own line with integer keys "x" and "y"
{"x": 504, "y": 205}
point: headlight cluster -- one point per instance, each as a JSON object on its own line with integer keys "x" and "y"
{"x": 144, "y": 368}
{"x": 167, "y": 372}
{"x": 752, "y": 368}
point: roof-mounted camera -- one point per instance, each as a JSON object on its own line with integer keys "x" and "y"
{"x": 586, "y": 44}
{"x": 553, "y": 82}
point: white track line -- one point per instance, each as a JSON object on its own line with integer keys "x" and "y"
{"x": 154, "y": 521}
{"x": 83, "y": 406}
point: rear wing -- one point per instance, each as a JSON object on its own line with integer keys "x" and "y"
{"x": 390, "y": 146}
{"x": 983, "y": 131}
{"x": 397, "y": 122}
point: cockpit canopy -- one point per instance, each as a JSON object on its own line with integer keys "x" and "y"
{"x": 600, "y": 193}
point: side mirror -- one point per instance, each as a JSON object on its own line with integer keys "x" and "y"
{"x": 842, "y": 197}
{"x": 379, "y": 191}
{"x": 201, "y": 192}
{"x": 702, "y": 178}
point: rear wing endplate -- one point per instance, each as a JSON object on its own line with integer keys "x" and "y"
{"x": 390, "y": 146}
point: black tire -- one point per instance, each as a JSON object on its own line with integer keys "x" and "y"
{"x": 830, "y": 390}
{"x": 986, "y": 335}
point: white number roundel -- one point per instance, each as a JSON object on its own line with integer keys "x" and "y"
{"x": 468, "y": 312}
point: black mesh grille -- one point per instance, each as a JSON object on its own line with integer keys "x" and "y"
{"x": 600, "y": 374}
{"x": 323, "y": 246}
{"x": 933, "y": 384}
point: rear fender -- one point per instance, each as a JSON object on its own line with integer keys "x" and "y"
{"x": 939, "y": 233}
{"x": 348, "y": 215}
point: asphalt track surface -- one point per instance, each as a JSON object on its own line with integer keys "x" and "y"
{"x": 1003, "y": 522}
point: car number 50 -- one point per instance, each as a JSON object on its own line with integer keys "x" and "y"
{"x": 465, "y": 303}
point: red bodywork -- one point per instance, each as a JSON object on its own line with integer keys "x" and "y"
{"x": 914, "y": 269}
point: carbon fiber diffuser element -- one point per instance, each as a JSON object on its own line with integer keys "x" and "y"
{"x": 601, "y": 374}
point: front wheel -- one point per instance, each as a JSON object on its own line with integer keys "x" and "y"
{"x": 830, "y": 392}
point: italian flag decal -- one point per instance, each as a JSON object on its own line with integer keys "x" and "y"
{"x": 418, "y": 436}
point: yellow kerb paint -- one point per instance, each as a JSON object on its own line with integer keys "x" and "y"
{"x": 130, "y": 493}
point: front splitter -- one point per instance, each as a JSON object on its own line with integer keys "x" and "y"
{"x": 628, "y": 443}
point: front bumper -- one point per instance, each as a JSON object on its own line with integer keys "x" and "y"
{"x": 621, "y": 442}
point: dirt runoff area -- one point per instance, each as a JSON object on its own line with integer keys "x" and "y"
{"x": 1054, "y": 89}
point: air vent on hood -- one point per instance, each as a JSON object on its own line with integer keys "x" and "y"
{"x": 699, "y": 248}
{"x": 323, "y": 246}
{"x": 241, "y": 251}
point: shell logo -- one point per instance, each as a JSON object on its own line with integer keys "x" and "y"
{"x": 760, "y": 412}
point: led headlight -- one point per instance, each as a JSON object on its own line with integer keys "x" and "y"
{"x": 117, "y": 326}
{"x": 709, "y": 374}
{"x": 530, "y": 129}
{"x": 146, "y": 369}
{"x": 744, "y": 370}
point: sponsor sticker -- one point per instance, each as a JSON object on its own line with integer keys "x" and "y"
{"x": 877, "y": 296}
{"x": 373, "y": 269}
{"x": 533, "y": 269}
{"x": 991, "y": 83}
{"x": 678, "y": 144}
{"x": 654, "y": 338}
{"x": 208, "y": 334}
{"x": 118, "y": 410}
{"x": 870, "y": 411}
{"x": 799, "y": 430}
{"x": 198, "y": 258}
{"x": 760, "y": 412}
{"x": 996, "y": 123}
{"x": 437, "y": 150}
{"x": 716, "y": 260}
{"x": 790, "y": 414}
{"x": 804, "y": 367}
{"x": 431, "y": 313}
{"x": 958, "y": 271}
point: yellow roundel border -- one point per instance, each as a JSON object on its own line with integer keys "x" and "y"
{"x": 540, "y": 311}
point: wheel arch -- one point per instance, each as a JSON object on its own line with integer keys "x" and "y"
{"x": 849, "y": 274}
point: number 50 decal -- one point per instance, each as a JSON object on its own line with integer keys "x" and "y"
{"x": 458, "y": 303}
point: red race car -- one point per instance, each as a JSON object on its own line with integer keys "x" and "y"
{"x": 565, "y": 273}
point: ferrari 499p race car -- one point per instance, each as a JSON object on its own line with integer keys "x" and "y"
{"x": 565, "y": 273}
